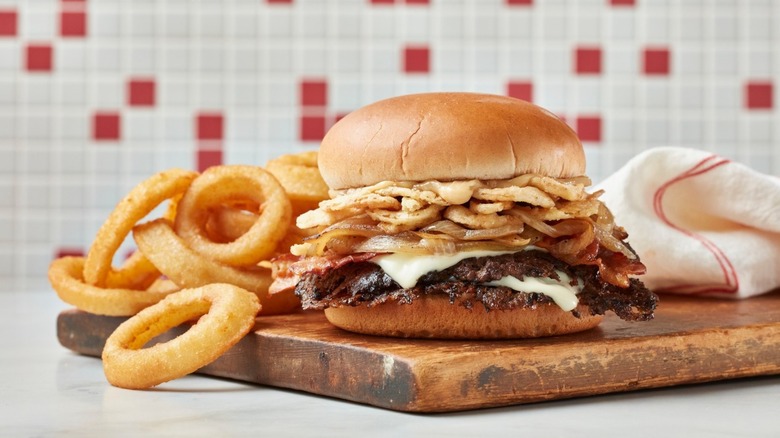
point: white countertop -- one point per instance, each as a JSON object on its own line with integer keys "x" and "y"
{"x": 46, "y": 390}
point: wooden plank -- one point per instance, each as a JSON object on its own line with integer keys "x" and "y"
{"x": 691, "y": 340}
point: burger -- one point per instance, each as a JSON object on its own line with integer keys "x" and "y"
{"x": 460, "y": 215}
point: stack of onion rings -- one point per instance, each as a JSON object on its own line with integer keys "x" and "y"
{"x": 214, "y": 241}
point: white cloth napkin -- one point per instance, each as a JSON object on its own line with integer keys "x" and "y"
{"x": 699, "y": 222}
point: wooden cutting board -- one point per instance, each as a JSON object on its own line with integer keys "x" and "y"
{"x": 691, "y": 340}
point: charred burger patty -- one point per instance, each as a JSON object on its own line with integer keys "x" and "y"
{"x": 365, "y": 283}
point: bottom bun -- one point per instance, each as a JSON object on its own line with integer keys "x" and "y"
{"x": 435, "y": 317}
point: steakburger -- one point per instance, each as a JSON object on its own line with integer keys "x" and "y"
{"x": 458, "y": 215}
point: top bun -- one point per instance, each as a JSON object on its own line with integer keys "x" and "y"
{"x": 446, "y": 137}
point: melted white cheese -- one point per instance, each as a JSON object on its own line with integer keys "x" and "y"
{"x": 406, "y": 270}
{"x": 564, "y": 294}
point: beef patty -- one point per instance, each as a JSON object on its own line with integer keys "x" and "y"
{"x": 365, "y": 283}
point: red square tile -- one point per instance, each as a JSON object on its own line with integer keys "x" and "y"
{"x": 70, "y": 252}
{"x": 208, "y": 158}
{"x": 589, "y": 128}
{"x": 519, "y": 2}
{"x": 314, "y": 93}
{"x": 140, "y": 92}
{"x": 39, "y": 57}
{"x": 418, "y": 2}
{"x": 587, "y": 60}
{"x": 312, "y": 128}
{"x": 73, "y": 23}
{"x": 520, "y": 90}
{"x": 382, "y": 2}
{"x": 417, "y": 59}
{"x": 209, "y": 127}
{"x": 655, "y": 61}
{"x": 106, "y": 126}
{"x": 758, "y": 95}
{"x": 8, "y": 20}
{"x": 279, "y": 1}
{"x": 622, "y": 2}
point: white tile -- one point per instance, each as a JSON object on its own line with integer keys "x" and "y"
{"x": 211, "y": 59}
{"x": 554, "y": 27}
{"x": 552, "y": 94}
{"x": 138, "y": 126}
{"x": 725, "y": 28}
{"x": 281, "y": 128}
{"x": 142, "y": 24}
{"x": 106, "y": 161}
{"x": 244, "y": 59}
{"x": 244, "y": 93}
{"x": 8, "y": 127}
{"x": 174, "y": 91}
{"x": 621, "y": 130}
{"x": 37, "y": 230}
{"x": 174, "y": 24}
{"x": 38, "y": 24}
{"x": 70, "y": 56}
{"x": 279, "y": 24}
{"x": 143, "y": 163}
{"x": 108, "y": 93}
{"x": 177, "y": 127}
{"x": 72, "y": 232}
{"x": 486, "y": 60}
{"x": 314, "y": 61}
{"x": 37, "y": 90}
{"x": 589, "y": 28}
{"x": 452, "y": 26}
{"x": 35, "y": 266}
{"x": 385, "y": 59}
{"x": 74, "y": 196}
{"x": 73, "y": 92}
{"x": 589, "y": 95}
{"x": 211, "y": 25}
{"x": 8, "y": 92}
{"x": 691, "y": 96}
{"x": 72, "y": 162}
{"x": 656, "y": 94}
{"x": 520, "y": 24}
{"x": 521, "y": 61}
{"x": 657, "y": 132}
{"x": 7, "y": 195}
{"x": 38, "y": 126}
{"x": 348, "y": 26}
{"x": 143, "y": 60}
{"x": 691, "y": 132}
{"x": 621, "y": 61}
{"x": 75, "y": 126}
{"x": 690, "y": 25}
{"x": 244, "y": 25}
{"x": 621, "y": 24}
{"x": 557, "y": 61}
{"x": 687, "y": 60}
{"x": 107, "y": 58}
{"x": 34, "y": 195}
{"x": 177, "y": 59}
{"x": 7, "y": 160}
{"x": 104, "y": 23}
{"x": 383, "y": 24}
{"x": 280, "y": 59}
{"x": 10, "y": 55}
{"x": 209, "y": 94}
{"x": 486, "y": 26}
{"x": 448, "y": 59}
{"x": 242, "y": 127}
{"x": 760, "y": 129}
{"x": 759, "y": 27}
{"x": 348, "y": 59}
{"x": 727, "y": 97}
{"x": 282, "y": 93}
{"x": 346, "y": 95}
{"x": 657, "y": 29}
{"x": 760, "y": 63}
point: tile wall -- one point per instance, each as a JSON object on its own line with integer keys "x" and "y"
{"x": 96, "y": 95}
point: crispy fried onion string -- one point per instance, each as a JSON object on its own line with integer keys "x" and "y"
{"x": 445, "y": 217}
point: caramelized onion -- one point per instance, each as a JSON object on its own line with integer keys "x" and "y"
{"x": 460, "y": 232}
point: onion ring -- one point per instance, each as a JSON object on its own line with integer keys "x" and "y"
{"x": 222, "y": 184}
{"x": 66, "y": 277}
{"x": 188, "y": 269}
{"x": 141, "y": 200}
{"x": 225, "y": 314}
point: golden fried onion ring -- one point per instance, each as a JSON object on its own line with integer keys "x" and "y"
{"x": 65, "y": 276}
{"x": 132, "y": 208}
{"x": 225, "y": 313}
{"x": 188, "y": 268}
{"x": 223, "y": 184}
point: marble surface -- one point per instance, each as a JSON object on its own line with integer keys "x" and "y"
{"x": 46, "y": 390}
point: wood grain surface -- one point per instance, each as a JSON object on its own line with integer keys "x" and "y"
{"x": 691, "y": 340}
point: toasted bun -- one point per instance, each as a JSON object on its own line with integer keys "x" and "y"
{"x": 435, "y": 317}
{"x": 445, "y": 137}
